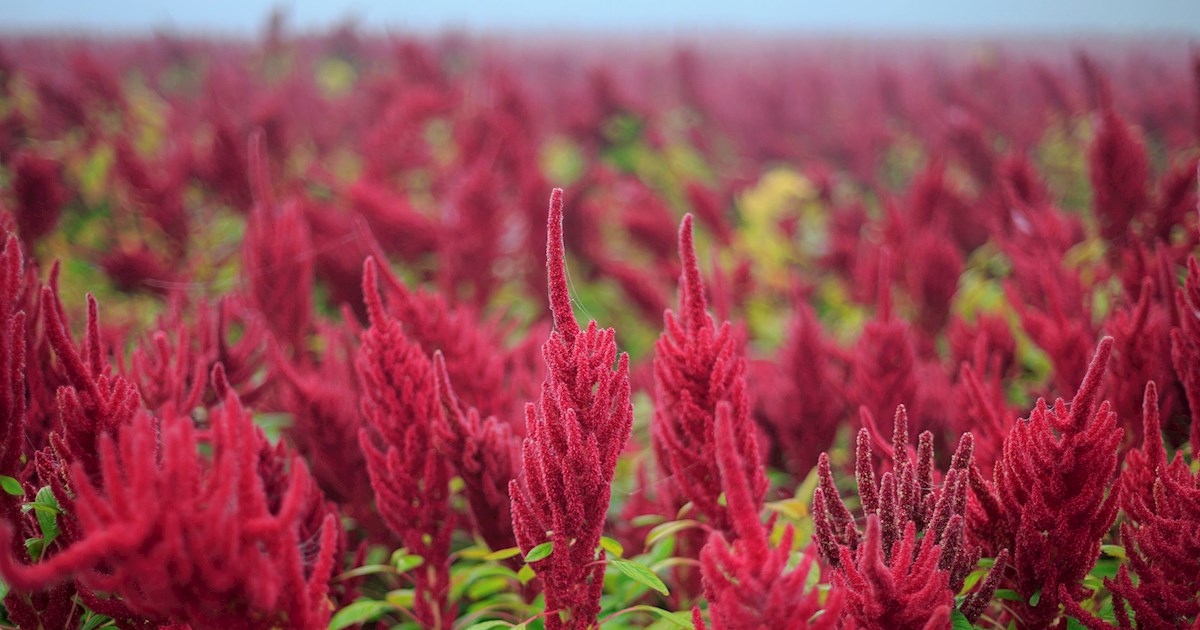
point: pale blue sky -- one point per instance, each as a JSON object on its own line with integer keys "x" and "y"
{"x": 903, "y": 17}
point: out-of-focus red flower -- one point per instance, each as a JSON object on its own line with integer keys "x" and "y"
{"x": 1185, "y": 344}
{"x": 277, "y": 258}
{"x": 1119, "y": 171}
{"x": 410, "y": 477}
{"x": 488, "y": 457}
{"x": 39, "y": 196}
{"x": 697, "y": 366}
{"x": 801, "y": 399}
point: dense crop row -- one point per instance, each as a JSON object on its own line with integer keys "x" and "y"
{"x": 885, "y": 341}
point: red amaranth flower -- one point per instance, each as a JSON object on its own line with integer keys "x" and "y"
{"x": 39, "y": 194}
{"x": 323, "y": 400}
{"x": 180, "y": 537}
{"x": 803, "y": 404}
{"x": 1050, "y": 501}
{"x": 488, "y": 457}
{"x": 277, "y": 258}
{"x": 474, "y": 359}
{"x": 574, "y": 435}
{"x": 1162, "y": 537}
{"x": 409, "y": 476}
{"x": 892, "y": 581}
{"x": 883, "y": 371}
{"x": 1119, "y": 171}
{"x": 747, "y": 583}
{"x": 697, "y": 366}
{"x": 12, "y": 368}
{"x": 1185, "y": 344}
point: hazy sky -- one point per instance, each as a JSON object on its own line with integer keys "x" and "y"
{"x": 966, "y": 17}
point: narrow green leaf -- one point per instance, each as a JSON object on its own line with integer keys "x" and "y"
{"x": 503, "y": 554}
{"x": 34, "y": 547}
{"x": 407, "y": 562}
{"x": 641, "y": 575}
{"x": 358, "y": 612}
{"x": 540, "y": 552}
{"x": 1008, "y": 594}
{"x": 525, "y": 574}
{"x": 971, "y": 580}
{"x": 474, "y": 552}
{"x": 95, "y": 621}
{"x": 1116, "y": 551}
{"x": 482, "y": 589}
{"x": 11, "y": 486}
{"x": 1035, "y": 598}
{"x": 958, "y": 621}
{"x": 646, "y": 519}
{"x": 668, "y": 529}
{"x": 680, "y": 620}
{"x": 401, "y": 598}
{"x": 366, "y": 569}
{"x": 612, "y": 546}
{"x": 488, "y": 625}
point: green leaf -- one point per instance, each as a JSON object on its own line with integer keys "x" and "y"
{"x": 525, "y": 574}
{"x": 612, "y": 546}
{"x": 11, "y": 486}
{"x": 1008, "y": 594}
{"x": 794, "y": 509}
{"x": 487, "y": 587}
{"x": 488, "y": 625}
{"x": 680, "y": 619}
{"x": 503, "y": 554}
{"x": 540, "y": 552}
{"x": 366, "y": 569}
{"x": 971, "y": 580}
{"x": 401, "y": 598}
{"x": 668, "y": 529}
{"x": 34, "y": 546}
{"x": 406, "y": 562}
{"x": 95, "y": 621}
{"x": 1035, "y": 598}
{"x": 958, "y": 621}
{"x": 47, "y": 510}
{"x": 646, "y": 519}
{"x": 641, "y": 575}
{"x": 1116, "y": 551}
{"x": 360, "y": 611}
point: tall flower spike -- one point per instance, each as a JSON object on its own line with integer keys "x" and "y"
{"x": 1051, "y": 502}
{"x": 12, "y": 363}
{"x": 747, "y": 583}
{"x": 573, "y": 437}
{"x": 410, "y": 477}
{"x": 697, "y": 367}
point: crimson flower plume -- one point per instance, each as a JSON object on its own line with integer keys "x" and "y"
{"x": 574, "y": 434}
